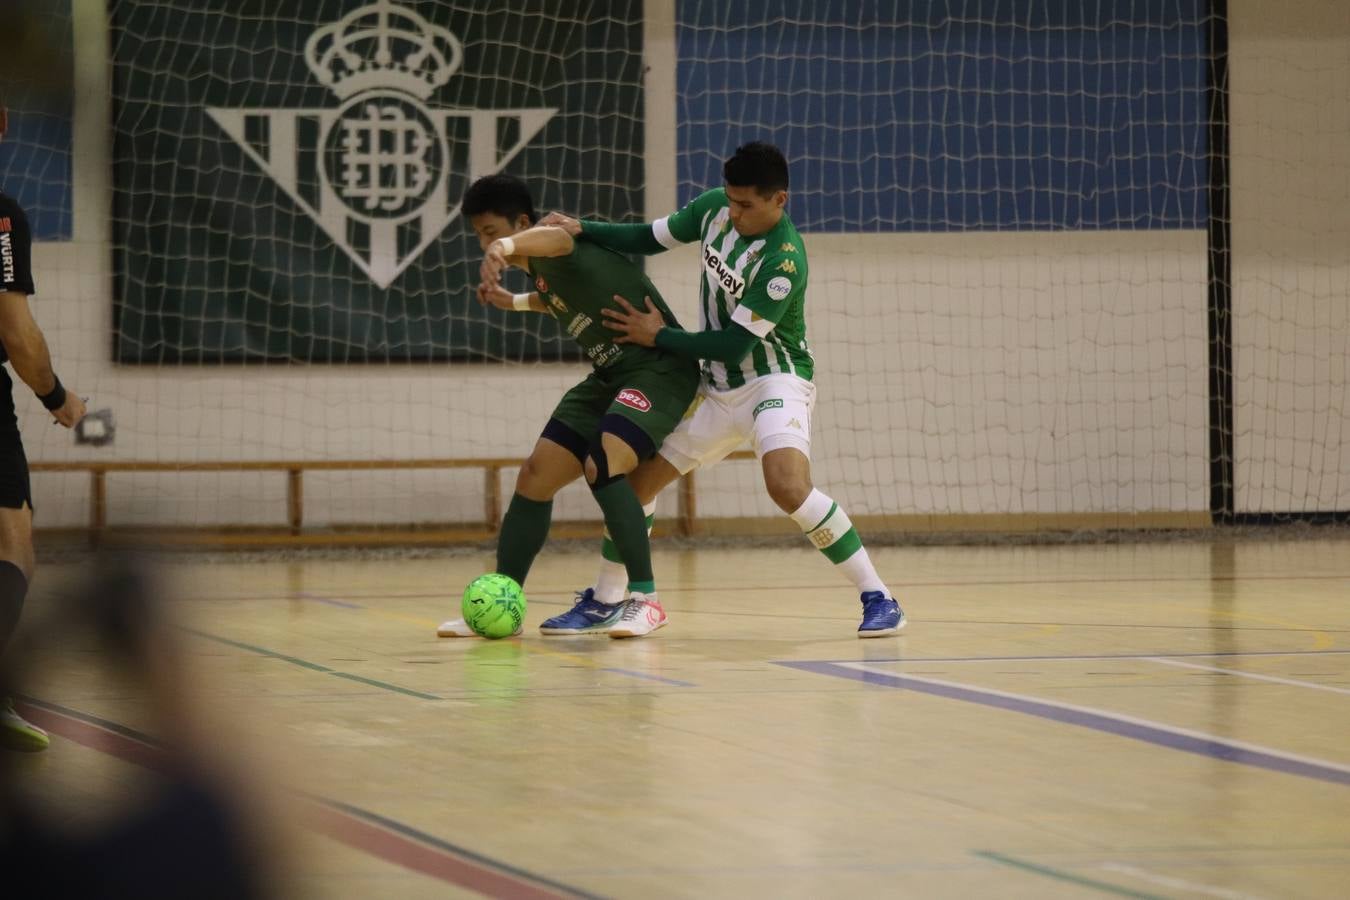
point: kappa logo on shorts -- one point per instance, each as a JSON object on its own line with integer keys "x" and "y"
{"x": 767, "y": 404}
{"x": 634, "y": 398}
{"x": 6, "y": 223}
{"x": 541, "y": 285}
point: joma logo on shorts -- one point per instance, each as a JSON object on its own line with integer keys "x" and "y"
{"x": 634, "y": 398}
{"x": 767, "y": 404}
{"x": 728, "y": 279}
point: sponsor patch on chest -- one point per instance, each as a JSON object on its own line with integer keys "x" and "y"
{"x": 728, "y": 279}
{"x": 635, "y": 399}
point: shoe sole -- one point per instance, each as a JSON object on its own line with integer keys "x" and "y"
{"x": 599, "y": 629}
{"x": 24, "y": 741}
{"x": 617, "y": 633}
{"x": 456, "y": 634}
{"x": 883, "y": 632}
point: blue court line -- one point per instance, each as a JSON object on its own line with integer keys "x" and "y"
{"x": 1183, "y": 739}
{"x": 632, "y": 674}
{"x": 1225, "y": 653}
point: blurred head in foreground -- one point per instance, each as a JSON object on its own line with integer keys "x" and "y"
{"x": 191, "y": 829}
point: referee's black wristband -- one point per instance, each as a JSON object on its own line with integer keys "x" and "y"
{"x": 56, "y": 397}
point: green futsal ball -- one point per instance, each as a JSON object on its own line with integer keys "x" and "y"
{"x": 494, "y": 605}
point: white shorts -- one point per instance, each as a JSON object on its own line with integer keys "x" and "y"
{"x": 771, "y": 412}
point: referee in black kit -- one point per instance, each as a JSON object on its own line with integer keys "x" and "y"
{"x": 22, "y": 345}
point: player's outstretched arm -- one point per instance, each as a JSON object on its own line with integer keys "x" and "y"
{"x": 32, "y": 361}
{"x": 645, "y": 238}
{"x": 539, "y": 241}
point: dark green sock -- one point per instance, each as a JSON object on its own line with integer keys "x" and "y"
{"x": 13, "y": 588}
{"x": 627, "y": 525}
{"x": 524, "y": 530}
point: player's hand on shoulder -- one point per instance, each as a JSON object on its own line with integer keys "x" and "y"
{"x": 566, "y": 223}
{"x": 72, "y": 411}
{"x": 493, "y": 294}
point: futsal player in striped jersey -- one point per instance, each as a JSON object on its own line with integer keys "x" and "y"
{"x": 757, "y": 371}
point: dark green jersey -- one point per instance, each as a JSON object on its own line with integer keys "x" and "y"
{"x": 575, "y": 288}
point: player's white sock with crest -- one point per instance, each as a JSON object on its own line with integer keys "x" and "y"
{"x": 828, "y": 528}
{"x": 611, "y": 585}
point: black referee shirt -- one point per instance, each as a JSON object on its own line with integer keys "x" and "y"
{"x": 16, "y": 252}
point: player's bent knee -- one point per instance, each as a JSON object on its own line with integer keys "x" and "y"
{"x": 788, "y": 490}
{"x": 538, "y": 481}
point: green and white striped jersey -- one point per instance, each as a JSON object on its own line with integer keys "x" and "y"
{"x": 759, "y": 283}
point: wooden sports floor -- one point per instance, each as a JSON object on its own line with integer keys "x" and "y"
{"x": 1147, "y": 720}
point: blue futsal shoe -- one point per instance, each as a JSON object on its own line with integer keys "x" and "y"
{"x": 588, "y": 616}
{"x": 881, "y": 615}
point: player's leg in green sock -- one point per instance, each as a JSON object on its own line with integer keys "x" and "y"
{"x": 525, "y": 526}
{"x": 524, "y": 531}
{"x": 626, "y": 523}
{"x": 610, "y": 458}
{"x": 612, "y": 581}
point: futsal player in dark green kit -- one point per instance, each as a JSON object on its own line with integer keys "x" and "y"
{"x": 602, "y": 428}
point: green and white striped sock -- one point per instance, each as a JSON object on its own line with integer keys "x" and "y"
{"x": 829, "y": 530}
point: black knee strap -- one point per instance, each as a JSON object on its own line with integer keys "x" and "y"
{"x": 565, "y": 437}
{"x": 601, "y": 462}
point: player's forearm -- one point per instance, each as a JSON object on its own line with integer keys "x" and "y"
{"x": 539, "y": 241}
{"x": 530, "y": 302}
{"x": 729, "y": 346}
{"x": 29, "y": 356}
{"x": 626, "y": 238}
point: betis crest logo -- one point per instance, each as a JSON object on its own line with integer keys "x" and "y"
{"x": 374, "y": 171}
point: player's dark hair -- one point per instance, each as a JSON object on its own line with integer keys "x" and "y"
{"x": 504, "y": 195}
{"x": 758, "y": 165}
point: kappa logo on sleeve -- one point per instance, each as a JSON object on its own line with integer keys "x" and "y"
{"x": 778, "y": 288}
{"x": 632, "y": 397}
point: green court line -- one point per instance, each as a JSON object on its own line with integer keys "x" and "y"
{"x": 313, "y": 667}
{"x": 1066, "y": 876}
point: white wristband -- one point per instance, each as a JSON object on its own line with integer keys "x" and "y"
{"x": 508, "y": 246}
{"x": 521, "y": 302}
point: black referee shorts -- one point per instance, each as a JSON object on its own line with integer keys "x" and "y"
{"x": 15, "y": 489}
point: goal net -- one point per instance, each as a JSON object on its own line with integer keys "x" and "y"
{"x": 1021, "y": 300}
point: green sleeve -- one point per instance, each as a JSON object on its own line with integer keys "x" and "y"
{"x": 687, "y": 224}
{"x": 728, "y": 346}
{"x": 778, "y": 281}
{"x": 626, "y": 238}
{"x": 678, "y": 228}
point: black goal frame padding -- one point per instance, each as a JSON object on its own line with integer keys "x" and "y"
{"x": 1220, "y": 305}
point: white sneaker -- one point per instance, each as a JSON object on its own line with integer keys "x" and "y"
{"x": 460, "y": 628}
{"x": 642, "y": 614}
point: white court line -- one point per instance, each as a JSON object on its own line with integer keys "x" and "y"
{"x": 1296, "y": 682}
{"x": 1179, "y": 884}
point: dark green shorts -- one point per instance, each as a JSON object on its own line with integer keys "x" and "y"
{"x": 654, "y": 398}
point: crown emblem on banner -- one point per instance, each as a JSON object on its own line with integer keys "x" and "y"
{"x": 381, "y": 45}
{"x": 383, "y": 173}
